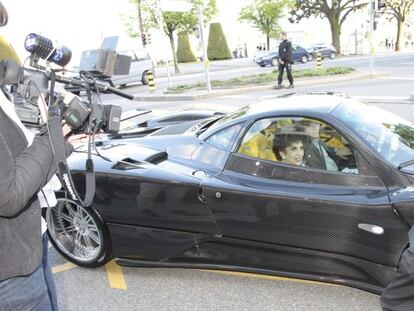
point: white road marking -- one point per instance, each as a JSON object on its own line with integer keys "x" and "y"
{"x": 409, "y": 78}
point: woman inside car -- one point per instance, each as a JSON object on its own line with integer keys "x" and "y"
{"x": 289, "y": 148}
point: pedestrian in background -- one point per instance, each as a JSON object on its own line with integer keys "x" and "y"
{"x": 27, "y": 165}
{"x": 285, "y": 61}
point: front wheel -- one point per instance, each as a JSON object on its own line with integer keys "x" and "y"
{"x": 274, "y": 62}
{"x": 78, "y": 234}
{"x": 332, "y": 55}
{"x": 304, "y": 59}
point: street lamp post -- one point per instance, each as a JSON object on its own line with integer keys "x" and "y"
{"x": 205, "y": 59}
{"x": 371, "y": 31}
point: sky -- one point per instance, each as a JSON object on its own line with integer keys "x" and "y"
{"x": 81, "y": 24}
{"x": 77, "y": 24}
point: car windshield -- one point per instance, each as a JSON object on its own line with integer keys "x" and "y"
{"x": 214, "y": 123}
{"x": 390, "y": 136}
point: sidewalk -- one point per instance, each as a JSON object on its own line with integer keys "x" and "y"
{"x": 160, "y": 95}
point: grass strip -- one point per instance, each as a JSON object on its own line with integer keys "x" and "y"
{"x": 262, "y": 78}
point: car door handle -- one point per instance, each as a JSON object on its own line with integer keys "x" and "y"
{"x": 201, "y": 197}
{"x": 375, "y": 229}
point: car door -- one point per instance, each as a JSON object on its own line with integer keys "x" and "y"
{"x": 344, "y": 212}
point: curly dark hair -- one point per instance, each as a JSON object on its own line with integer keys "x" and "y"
{"x": 4, "y": 17}
{"x": 282, "y": 141}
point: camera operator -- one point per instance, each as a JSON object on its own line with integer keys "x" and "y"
{"x": 27, "y": 164}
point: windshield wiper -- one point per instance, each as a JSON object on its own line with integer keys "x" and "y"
{"x": 405, "y": 164}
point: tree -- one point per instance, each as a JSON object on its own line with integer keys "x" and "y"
{"x": 217, "y": 44}
{"x": 336, "y": 11}
{"x": 264, "y": 15}
{"x": 131, "y": 22}
{"x": 184, "y": 52}
{"x": 398, "y": 10}
{"x": 175, "y": 22}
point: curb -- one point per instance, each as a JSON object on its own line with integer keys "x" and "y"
{"x": 215, "y": 93}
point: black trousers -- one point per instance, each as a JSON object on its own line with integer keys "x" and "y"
{"x": 399, "y": 294}
{"x": 281, "y": 69}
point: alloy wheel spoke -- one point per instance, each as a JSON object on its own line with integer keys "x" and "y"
{"x": 95, "y": 237}
{"x": 88, "y": 242}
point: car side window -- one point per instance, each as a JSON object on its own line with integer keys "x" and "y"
{"x": 225, "y": 138}
{"x": 141, "y": 55}
{"x": 130, "y": 54}
{"x": 300, "y": 142}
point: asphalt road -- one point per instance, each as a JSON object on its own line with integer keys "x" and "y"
{"x": 395, "y": 65}
{"x": 183, "y": 289}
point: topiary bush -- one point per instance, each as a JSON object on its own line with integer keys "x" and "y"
{"x": 184, "y": 52}
{"x": 217, "y": 44}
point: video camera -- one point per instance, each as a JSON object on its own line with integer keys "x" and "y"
{"x": 37, "y": 104}
{"x": 28, "y": 86}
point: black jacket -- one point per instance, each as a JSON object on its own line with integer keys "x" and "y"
{"x": 23, "y": 172}
{"x": 285, "y": 51}
{"x": 314, "y": 156}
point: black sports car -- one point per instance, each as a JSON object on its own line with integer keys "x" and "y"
{"x": 226, "y": 193}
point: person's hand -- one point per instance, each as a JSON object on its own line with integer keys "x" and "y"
{"x": 66, "y": 129}
{"x": 78, "y": 138}
{"x": 281, "y": 62}
{"x": 343, "y": 153}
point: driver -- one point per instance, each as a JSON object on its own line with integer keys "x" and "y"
{"x": 318, "y": 154}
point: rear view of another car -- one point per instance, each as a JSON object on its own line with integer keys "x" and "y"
{"x": 326, "y": 50}
{"x": 300, "y": 54}
{"x": 141, "y": 64}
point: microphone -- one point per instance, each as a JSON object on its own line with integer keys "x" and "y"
{"x": 43, "y": 47}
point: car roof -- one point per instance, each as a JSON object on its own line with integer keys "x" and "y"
{"x": 297, "y": 102}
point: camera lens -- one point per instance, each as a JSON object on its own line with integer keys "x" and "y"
{"x": 43, "y": 47}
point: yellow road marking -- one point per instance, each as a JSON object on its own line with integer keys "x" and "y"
{"x": 115, "y": 276}
{"x": 64, "y": 267}
{"x": 269, "y": 277}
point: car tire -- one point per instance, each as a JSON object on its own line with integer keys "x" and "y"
{"x": 332, "y": 55}
{"x": 310, "y": 57}
{"x": 145, "y": 78}
{"x": 78, "y": 234}
{"x": 274, "y": 62}
{"x": 262, "y": 65}
{"x": 304, "y": 59}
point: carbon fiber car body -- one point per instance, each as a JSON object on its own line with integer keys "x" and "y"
{"x": 175, "y": 200}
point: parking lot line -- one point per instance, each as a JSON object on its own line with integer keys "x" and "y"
{"x": 115, "y": 276}
{"x": 269, "y": 277}
{"x": 64, "y": 267}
